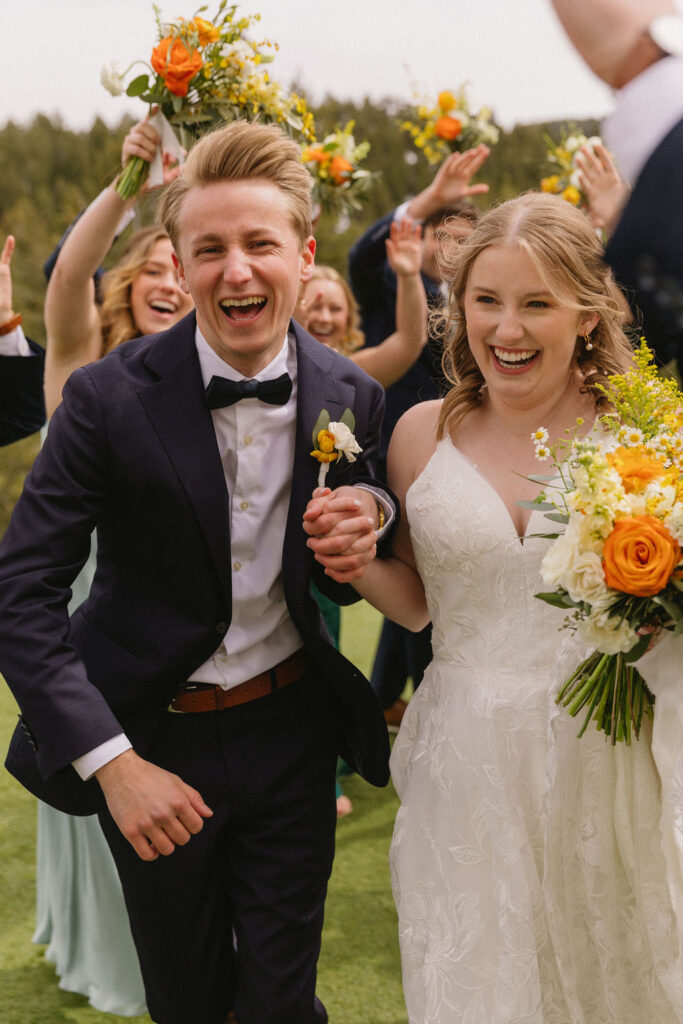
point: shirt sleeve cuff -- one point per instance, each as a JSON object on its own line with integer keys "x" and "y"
{"x": 401, "y": 212}
{"x": 382, "y": 499}
{"x": 89, "y": 763}
{"x": 14, "y": 343}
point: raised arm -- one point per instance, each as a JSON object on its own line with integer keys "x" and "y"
{"x": 451, "y": 183}
{"x": 72, "y": 321}
{"x": 388, "y": 361}
{"x": 603, "y": 187}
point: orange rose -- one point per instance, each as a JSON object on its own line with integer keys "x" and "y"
{"x": 636, "y": 468}
{"x": 340, "y": 170}
{"x": 448, "y": 128}
{"x": 176, "y": 64}
{"x": 639, "y": 557}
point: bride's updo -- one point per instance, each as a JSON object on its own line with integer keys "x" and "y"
{"x": 566, "y": 251}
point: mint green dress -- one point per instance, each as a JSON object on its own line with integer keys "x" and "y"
{"x": 81, "y": 915}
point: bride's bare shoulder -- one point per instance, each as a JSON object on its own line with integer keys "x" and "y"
{"x": 413, "y": 441}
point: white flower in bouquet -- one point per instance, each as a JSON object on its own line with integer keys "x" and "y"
{"x": 605, "y": 632}
{"x": 111, "y": 77}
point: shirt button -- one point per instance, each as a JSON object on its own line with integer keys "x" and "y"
{"x": 237, "y": 566}
{"x": 248, "y": 440}
{"x": 244, "y": 505}
{"x": 221, "y": 628}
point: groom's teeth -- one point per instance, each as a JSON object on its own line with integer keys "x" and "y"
{"x": 251, "y": 300}
{"x": 521, "y": 356}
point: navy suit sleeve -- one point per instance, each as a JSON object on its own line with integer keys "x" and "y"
{"x": 22, "y": 405}
{"x": 44, "y": 548}
{"x": 373, "y": 282}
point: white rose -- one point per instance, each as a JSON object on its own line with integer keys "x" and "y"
{"x": 111, "y": 78}
{"x": 558, "y": 559}
{"x": 607, "y": 634}
{"x": 585, "y": 579}
{"x": 344, "y": 441}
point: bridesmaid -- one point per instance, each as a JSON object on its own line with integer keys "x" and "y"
{"x": 80, "y": 910}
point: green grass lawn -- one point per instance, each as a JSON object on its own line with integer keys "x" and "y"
{"x": 359, "y": 972}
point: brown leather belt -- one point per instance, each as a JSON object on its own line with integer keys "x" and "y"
{"x": 214, "y": 698}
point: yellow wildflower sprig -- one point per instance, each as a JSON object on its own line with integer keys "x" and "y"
{"x": 338, "y": 182}
{"x": 450, "y": 126}
{"x": 564, "y": 180}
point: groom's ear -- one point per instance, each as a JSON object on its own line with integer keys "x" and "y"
{"x": 182, "y": 281}
{"x": 308, "y": 260}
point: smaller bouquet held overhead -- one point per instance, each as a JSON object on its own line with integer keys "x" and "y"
{"x": 561, "y": 157}
{"x": 339, "y": 183}
{"x": 450, "y": 127}
{"x": 203, "y": 73}
{"x": 618, "y": 564}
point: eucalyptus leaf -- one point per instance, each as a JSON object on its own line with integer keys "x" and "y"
{"x": 543, "y": 536}
{"x": 322, "y": 423}
{"x": 540, "y": 478}
{"x": 558, "y": 600}
{"x": 542, "y": 506}
{"x": 557, "y": 517}
{"x": 348, "y": 419}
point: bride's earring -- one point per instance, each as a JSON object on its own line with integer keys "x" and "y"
{"x": 588, "y": 342}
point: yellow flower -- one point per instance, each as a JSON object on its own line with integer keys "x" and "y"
{"x": 207, "y": 32}
{"x": 325, "y": 451}
{"x": 572, "y": 195}
{"x": 550, "y": 184}
{"x": 447, "y": 101}
{"x": 636, "y": 468}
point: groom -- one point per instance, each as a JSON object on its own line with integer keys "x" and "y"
{"x": 196, "y": 688}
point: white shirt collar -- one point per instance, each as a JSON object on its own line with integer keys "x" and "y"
{"x": 647, "y": 109}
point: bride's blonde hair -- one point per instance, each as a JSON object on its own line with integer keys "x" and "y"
{"x": 568, "y": 256}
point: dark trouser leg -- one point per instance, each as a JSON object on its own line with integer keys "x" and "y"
{"x": 259, "y": 866}
{"x": 400, "y": 654}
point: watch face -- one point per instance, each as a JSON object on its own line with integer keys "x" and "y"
{"x": 667, "y": 33}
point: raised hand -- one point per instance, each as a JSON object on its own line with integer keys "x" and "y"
{"x": 602, "y": 185}
{"x": 404, "y": 247}
{"x": 451, "y": 183}
{"x": 154, "y": 809}
{"x": 6, "y": 310}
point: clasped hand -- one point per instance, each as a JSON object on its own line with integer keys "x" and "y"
{"x": 342, "y": 531}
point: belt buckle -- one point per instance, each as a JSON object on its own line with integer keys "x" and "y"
{"x": 186, "y": 689}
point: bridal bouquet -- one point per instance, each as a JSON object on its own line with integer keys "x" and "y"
{"x": 339, "y": 183}
{"x": 450, "y": 126}
{"x": 618, "y": 564}
{"x": 562, "y": 157}
{"x": 203, "y": 73}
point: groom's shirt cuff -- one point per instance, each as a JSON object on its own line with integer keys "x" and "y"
{"x": 382, "y": 498}
{"x": 89, "y": 763}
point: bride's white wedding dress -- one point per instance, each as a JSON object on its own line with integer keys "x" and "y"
{"x": 538, "y": 877}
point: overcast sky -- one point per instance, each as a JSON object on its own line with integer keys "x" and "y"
{"x": 512, "y": 53}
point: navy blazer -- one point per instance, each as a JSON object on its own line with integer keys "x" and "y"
{"x": 646, "y": 249}
{"x": 22, "y": 405}
{"x": 132, "y": 451}
{"x": 374, "y": 286}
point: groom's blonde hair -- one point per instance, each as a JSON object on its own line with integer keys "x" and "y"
{"x": 242, "y": 151}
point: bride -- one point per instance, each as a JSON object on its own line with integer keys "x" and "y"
{"x": 538, "y": 877}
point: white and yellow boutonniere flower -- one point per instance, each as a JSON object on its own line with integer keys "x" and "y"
{"x": 332, "y": 440}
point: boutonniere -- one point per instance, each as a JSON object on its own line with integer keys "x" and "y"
{"x": 332, "y": 440}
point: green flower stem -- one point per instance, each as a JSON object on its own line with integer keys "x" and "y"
{"x": 584, "y": 693}
{"x": 132, "y": 177}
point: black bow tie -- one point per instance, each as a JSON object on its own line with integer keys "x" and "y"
{"x": 222, "y": 392}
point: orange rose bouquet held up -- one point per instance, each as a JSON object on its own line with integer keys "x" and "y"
{"x": 205, "y": 72}
{"x": 450, "y": 127}
{"x": 339, "y": 184}
{"x": 618, "y": 565}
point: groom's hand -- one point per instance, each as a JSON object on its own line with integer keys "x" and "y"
{"x": 341, "y": 526}
{"x": 154, "y": 809}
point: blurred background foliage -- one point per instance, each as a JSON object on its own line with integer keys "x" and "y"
{"x": 51, "y": 172}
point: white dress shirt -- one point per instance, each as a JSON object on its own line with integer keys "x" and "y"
{"x": 647, "y": 108}
{"x": 14, "y": 343}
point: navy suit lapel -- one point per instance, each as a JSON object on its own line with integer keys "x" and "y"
{"x": 317, "y": 389}
{"x": 178, "y": 412}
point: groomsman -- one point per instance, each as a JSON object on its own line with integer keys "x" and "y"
{"x": 22, "y": 407}
{"x": 194, "y": 700}
{"x": 402, "y": 654}
{"x": 636, "y": 46}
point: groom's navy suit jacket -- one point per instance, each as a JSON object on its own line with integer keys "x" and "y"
{"x": 132, "y": 451}
{"x": 646, "y": 249}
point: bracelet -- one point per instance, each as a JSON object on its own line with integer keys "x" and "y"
{"x": 10, "y": 325}
{"x": 380, "y": 513}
